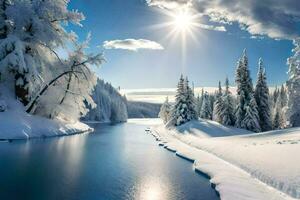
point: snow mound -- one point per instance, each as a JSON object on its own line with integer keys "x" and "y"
{"x": 207, "y": 128}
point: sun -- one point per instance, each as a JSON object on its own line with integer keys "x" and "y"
{"x": 183, "y": 24}
{"x": 183, "y": 21}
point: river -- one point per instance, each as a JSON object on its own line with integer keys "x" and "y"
{"x": 113, "y": 163}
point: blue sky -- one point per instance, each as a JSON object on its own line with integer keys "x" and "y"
{"x": 211, "y": 58}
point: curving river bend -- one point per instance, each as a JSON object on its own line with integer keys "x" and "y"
{"x": 113, "y": 163}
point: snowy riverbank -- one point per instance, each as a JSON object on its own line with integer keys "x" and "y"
{"x": 15, "y": 123}
{"x": 241, "y": 165}
{"x": 24, "y": 126}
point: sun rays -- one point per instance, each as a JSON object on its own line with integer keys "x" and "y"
{"x": 182, "y": 25}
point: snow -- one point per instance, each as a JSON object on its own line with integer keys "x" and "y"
{"x": 15, "y": 123}
{"x": 241, "y": 164}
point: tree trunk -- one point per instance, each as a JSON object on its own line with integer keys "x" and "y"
{"x": 45, "y": 88}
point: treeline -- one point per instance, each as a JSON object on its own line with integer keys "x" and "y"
{"x": 111, "y": 106}
{"x": 252, "y": 108}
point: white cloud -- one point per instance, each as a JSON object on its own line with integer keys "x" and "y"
{"x": 132, "y": 44}
{"x": 213, "y": 28}
{"x": 273, "y": 18}
{"x": 169, "y": 4}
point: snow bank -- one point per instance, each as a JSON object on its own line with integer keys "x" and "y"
{"x": 15, "y": 123}
{"x": 246, "y": 166}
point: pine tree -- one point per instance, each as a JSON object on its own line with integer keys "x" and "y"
{"x": 275, "y": 96}
{"x": 165, "y": 111}
{"x": 218, "y": 105}
{"x": 184, "y": 108}
{"x": 283, "y": 96}
{"x": 179, "y": 111}
{"x": 212, "y": 99}
{"x": 244, "y": 89}
{"x": 190, "y": 102}
{"x": 251, "y": 120}
{"x": 198, "y": 105}
{"x": 293, "y": 85}
{"x": 227, "y": 112}
{"x": 278, "y": 116}
{"x": 199, "y": 102}
{"x": 206, "y": 112}
{"x": 262, "y": 99}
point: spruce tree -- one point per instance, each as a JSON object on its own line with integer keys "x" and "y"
{"x": 251, "y": 120}
{"x": 184, "y": 109}
{"x": 199, "y": 102}
{"x": 180, "y": 109}
{"x": 206, "y": 112}
{"x": 190, "y": 102}
{"x": 227, "y": 112}
{"x": 244, "y": 89}
{"x": 218, "y": 105}
{"x": 278, "y": 118}
{"x": 165, "y": 111}
{"x": 262, "y": 99}
{"x": 283, "y": 96}
{"x": 293, "y": 85}
{"x": 198, "y": 105}
{"x": 275, "y": 96}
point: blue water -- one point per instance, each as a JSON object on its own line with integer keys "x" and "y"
{"x": 114, "y": 163}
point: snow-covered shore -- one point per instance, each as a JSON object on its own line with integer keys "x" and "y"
{"x": 15, "y": 124}
{"x": 241, "y": 165}
{"x": 27, "y": 126}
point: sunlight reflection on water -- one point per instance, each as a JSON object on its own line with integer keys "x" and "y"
{"x": 152, "y": 189}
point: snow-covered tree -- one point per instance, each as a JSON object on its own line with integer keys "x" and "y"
{"x": 29, "y": 63}
{"x": 218, "y": 105}
{"x": 184, "y": 108}
{"x": 283, "y": 96}
{"x": 199, "y": 102}
{"x": 262, "y": 99}
{"x": 206, "y": 112}
{"x": 293, "y": 85}
{"x": 179, "y": 112}
{"x": 227, "y": 112}
{"x": 190, "y": 101}
{"x": 64, "y": 95}
{"x": 275, "y": 96}
{"x": 278, "y": 116}
{"x": 165, "y": 111}
{"x": 251, "y": 120}
{"x": 31, "y": 31}
{"x": 244, "y": 89}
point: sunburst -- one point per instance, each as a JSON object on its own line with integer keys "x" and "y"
{"x": 183, "y": 24}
